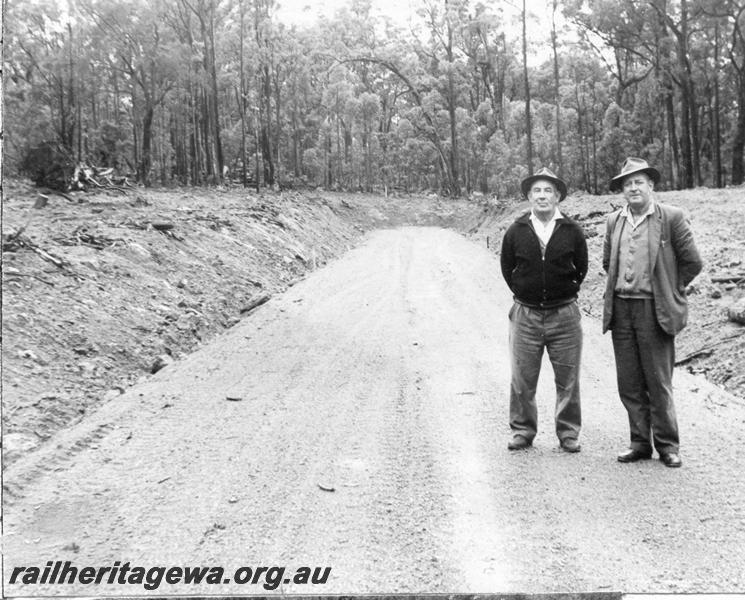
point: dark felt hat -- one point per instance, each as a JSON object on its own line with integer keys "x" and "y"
{"x": 548, "y": 175}
{"x": 630, "y": 166}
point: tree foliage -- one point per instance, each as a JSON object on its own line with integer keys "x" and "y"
{"x": 200, "y": 91}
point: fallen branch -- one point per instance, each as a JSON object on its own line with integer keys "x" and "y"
{"x": 13, "y": 240}
{"x": 16, "y": 274}
{"x": 163, "y": 226}
{"x": 81, "y": 237}
{"x": 705, "y": 351}
{"x": 49, "y": 257}
{"x": 700, "y": 353}
{"x": 85, "y": 176}
{"x": 65, "y": 196}
{"x": 584, "y": 219}
{"x": 254, "y": 303}
{"x": 733, "y": 278}
{"x": 116, "y": 188}
{"x": 119, "y": 181}
{"x": 16, "y": 240}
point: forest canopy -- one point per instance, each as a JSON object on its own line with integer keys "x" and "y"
{"x": 462, "y": 98}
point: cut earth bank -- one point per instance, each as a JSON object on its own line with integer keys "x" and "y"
{"x": 101, "y": 291}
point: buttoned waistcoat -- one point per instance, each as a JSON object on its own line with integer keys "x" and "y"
{"x": 674, "y": 262}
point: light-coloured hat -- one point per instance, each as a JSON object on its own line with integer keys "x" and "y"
{"x": 630, "y": 166}
{"x": 544, "y": 173}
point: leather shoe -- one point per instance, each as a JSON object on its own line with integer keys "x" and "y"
{"x": 633, "y": 455}
{"x": 671, "y": 459}
{"x": 570, "y": 445}
{"x": 518, "y": 442}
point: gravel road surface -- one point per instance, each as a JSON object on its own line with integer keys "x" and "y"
{"x": 359, "y": 422}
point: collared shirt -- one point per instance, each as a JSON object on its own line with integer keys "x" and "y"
{"x": 544, "y": 230}
{"x": 636, "y": 221}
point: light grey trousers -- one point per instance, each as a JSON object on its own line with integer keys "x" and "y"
{"x": 559, "y": 332}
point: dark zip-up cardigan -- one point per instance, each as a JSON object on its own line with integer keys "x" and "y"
{"x": 538, "y": 281}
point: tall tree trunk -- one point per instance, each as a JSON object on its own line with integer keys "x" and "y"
{"x": 367, "y": 155}
{"x": 178, "y": 141}
{"x": 738, "y": 143}
{"x": 147, "y": 136}
{"x": 257, "y": 169}
{"x": 689, "y": 90}
{"x": 266, "y": 127}
{"x": 451, "y": 103}
{"x": 454, "y": 175}
{"x": 207, "y": 137}
{"x": 737, "y": 58}
{"x": 672, "y": 139}
{"x": 583, "y": 152}
{"x": 205, "y": 14}
{"x": 242, "y": 111}
{"x": 686, "y": 100}
{"x": 595, "y": 189}
{"x": 243, "y": 94}
{"x": 72, "y": 100}
{"x": 261, "y": 18}
{"x": 196, "y": 142}
{"x": 277, "y": 125}
{"x": 347, "y": 143}
{"x": 79, "y": 121}
{"x": 66, "y": 101}
{"x": 214, "y": 103}
{"x": 557, "y": 90}
{"x": 528, "y": 123}
{"x": 685, "y": 134}
{"x": 296, "y": 157}
{"x": 135, "y": 134}
{"x": 695, "y": 133}
{"x": 328, "y": 178}
{"x": 339, "y": 169}
{"x": 163, "y": 159}
{"x": 717, "y": 141}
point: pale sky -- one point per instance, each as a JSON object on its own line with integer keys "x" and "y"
{"x": 298, "y": 12}
{"x": 301, "y": 11}
{"x": 305, "y": 12}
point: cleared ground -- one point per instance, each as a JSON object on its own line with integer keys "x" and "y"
{"x": 359, "y": 421}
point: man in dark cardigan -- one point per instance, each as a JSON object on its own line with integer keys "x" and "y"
{"x": 650, "y": 257}
{"x": 544, "y": 261}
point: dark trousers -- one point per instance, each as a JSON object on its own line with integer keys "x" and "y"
{"x": 559, "y": 331}
{"x": 645, "y": 356}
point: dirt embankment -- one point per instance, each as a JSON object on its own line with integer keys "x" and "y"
{"x": 712, "y": 344}
{"x": 101, "y": 292}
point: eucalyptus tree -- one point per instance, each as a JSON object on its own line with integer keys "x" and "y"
{"x": 445, "y": 23}
{"x": 147, "y": 56}
{"x": 557, "y": 83}
{"x": 383, "y": 71}
{"x": 43, "y": 67}
{"x": 423, "y": 77}
{"x": 648, "y": 39}
{"x": 526, "y": 83}
{"x": 490, "y": 61}
{"x": 731, "y": 19}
